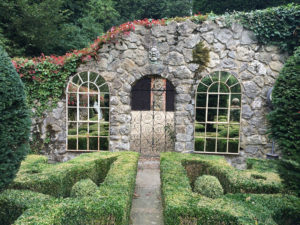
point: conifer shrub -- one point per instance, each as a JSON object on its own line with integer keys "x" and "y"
{"x": 208, "y": 186}
{"x": 84, "y": 188}
{"x": 14, "y": 121}
{"x": 285, "y": 120}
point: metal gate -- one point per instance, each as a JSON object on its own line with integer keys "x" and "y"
{"x": 152, "y": 124}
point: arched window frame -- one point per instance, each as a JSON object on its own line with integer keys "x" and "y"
{"x": 205, "y": 142}
{"x": 87, "y": 84}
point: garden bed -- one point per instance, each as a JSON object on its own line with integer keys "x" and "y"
{"x": 253, "y": 196}
{"x": 45, "y": 198}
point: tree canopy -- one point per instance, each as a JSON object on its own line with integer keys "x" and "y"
{"x": 32, "y": 27}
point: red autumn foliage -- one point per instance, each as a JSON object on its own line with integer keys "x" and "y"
{"x": 84, "y": 54}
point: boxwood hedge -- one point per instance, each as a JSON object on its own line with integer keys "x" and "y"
{"x": 110, "y": 204}
{"x": 240, "y": 205}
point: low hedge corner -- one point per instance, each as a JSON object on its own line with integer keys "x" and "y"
{"x": 44, "y": 195}
{"x": 247, "y": 200}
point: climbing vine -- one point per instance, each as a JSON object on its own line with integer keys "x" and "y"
{"x": 45, "y": 76}
{"x": 273, "y": 26}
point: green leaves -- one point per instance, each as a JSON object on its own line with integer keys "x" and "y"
{"x": 109, "y": 204}
{"x": 285, "y": 120}
{"x": 274, "y": 26}
{"x": 14, "y": 121}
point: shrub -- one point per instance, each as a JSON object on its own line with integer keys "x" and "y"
{"x": 14, "y": 202}
{"x": 182, "y": 206}
{"x": 110, "y": 204}
{"x": 14, "y": 121}
{"x": 208, "y": 186}
{"x": 84, "y": 188}
{"x": 57, "y": 180}
{"x": 285, "y": 120}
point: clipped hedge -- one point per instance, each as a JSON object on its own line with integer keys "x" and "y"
{"x": 183, "y": 206}
{"x": 83, "y": 188}
{"x": 208, "y": 186}
{"x": 14, "y": 202}
{"x": 14, "y": 121}
{"x": 232, "y": 180}
{"x": 110, "y": 204}
{"x": 57, "y": 180}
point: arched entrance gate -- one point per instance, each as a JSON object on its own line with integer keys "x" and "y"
{"x": 152, "y": 124}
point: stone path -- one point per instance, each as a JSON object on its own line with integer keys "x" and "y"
{"x": 146, "y": 205}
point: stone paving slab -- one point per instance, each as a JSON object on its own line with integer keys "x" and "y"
{"x": 146, "y": 205}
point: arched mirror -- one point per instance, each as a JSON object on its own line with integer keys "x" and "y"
{"x": 87, "y": 99}
{"x": 218, "y": 112}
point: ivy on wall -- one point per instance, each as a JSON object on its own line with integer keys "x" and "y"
{"x": 45, "y": 76}
{"x": 274, "y": 26}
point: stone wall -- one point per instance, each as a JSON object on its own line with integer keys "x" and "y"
{"x": 233, "y": 49}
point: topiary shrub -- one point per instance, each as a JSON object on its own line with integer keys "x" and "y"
{"x": 83, "y": 188}
{"x": 208, "y": 186}
{"x": 14, "y": 121}
{"x": 285, "y": 120}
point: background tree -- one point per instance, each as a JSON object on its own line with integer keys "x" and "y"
{"x": 179, "y": 8}
{"x": 14, "y": 121}
{"x": 52, "y": 26}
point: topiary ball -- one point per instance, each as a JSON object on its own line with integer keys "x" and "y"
{"x": 14, "y": 121}
{"x": 83, "y": 188}
{"x": 208, "y": 186}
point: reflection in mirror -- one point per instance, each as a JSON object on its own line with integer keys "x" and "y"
{"x": 222, "y": 145}
{"x": 235, "y": 115}
{"x": 199, "y": 144}
{"x": 212, "y": 100}
{"x": 72, "y": 114}
{"x": 217, "y": 126}
{"x": 201, "y": 100}
{"x": 93, "y": 130}
{"x": 83, "y": 114}
{"x": 88, "y": 108}
{"x": 210, "y": 145}
{"x": 93, "y": 77}
{"x": 214, "y": 87}
{"x": 72, "y": 128}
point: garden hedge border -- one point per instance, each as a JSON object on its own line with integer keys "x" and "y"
{"x": 183, "y": 206}
{"x": 57, "y": 180}
{"x": 110, "y": 204}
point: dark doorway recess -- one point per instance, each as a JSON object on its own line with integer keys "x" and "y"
{"x": 144, "y": 91}
{"x": 152, "y": 116}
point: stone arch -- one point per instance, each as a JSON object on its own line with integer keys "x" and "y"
{"x": 218, "y": 114}
{"x": 152, "y": 115}
{"x": 87, "y": 112}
